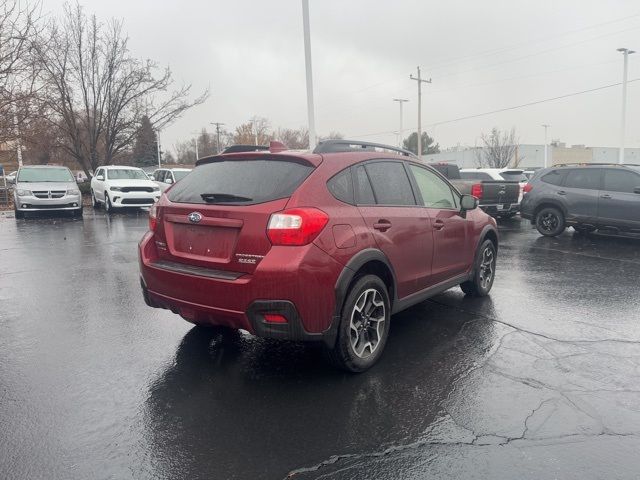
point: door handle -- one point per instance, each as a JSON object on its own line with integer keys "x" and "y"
{"x": 382, "y": 225}
{"x": 561, "y": 192}
{"x": 438, "y": 224}
{"x": 606, "y": 195}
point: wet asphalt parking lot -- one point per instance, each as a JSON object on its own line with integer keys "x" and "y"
{"x": 539, "y": 381}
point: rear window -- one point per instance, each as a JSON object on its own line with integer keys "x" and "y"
{"x": 45, "y": 175}
{"x": 241, "y": 182}
{"x": 515, "y": 176}
{"x": 180, "y": 174}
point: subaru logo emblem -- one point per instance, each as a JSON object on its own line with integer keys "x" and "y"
{"x": 194, "y": 217}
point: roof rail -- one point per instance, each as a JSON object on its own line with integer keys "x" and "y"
{"x": 340, "y": 145}
{"x": 587, "y": 164}
{"x": 245, "y": 148}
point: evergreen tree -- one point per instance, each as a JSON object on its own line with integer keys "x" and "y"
{"x": 145, "y": 149}
{"x": 411, "y": 143}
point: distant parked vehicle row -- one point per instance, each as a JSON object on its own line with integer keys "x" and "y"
{"x": 499, "y": 197}
{"x": 43, "y": 187}
{"x": 165, "y": 177}
{"x": 586, "y": 197}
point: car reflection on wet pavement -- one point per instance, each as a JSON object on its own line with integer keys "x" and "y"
{"x": 539, "y": 380}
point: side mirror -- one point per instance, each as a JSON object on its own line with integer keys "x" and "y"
{"x": 100, "y": 177}
{"x": 169, "y": 180}
{"x": 636, "y": 190}
{"x": 468, "y": 202}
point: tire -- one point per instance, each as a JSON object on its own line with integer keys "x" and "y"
{"x": 364, "y": 326}
{"x": 94, "y": 201}
{"x": 484, "y": 271}
{"x": 550, "y": 222}
{"x": 19, "y": 213}
{"x": 107, "y": 203}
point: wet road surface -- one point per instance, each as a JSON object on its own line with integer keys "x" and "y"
{"x": 540, "y": 380}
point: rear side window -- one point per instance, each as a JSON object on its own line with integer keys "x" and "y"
{"x": 241, "y": 182}
{"x": 364, "y": 192}
{"x": 390, "y": 183}
{"x": 584, "y": 178}
{"x": 475, "y": 176}
{"x": 554, "y": 177}
{"x": 621, "y": 181}
{"x": 341, "y": 186}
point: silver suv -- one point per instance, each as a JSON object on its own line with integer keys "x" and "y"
{"x": 45, "y": 187}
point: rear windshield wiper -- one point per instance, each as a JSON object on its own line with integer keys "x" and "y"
{"x": 223, "y": 197}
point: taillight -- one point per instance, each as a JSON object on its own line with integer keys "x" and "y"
{"x": 527, "y": 188}
{"x": 296, "y": 226}
{"x": 476, "y": 190}
{"x": 274, "y": 318}
{"x": 153, "y": 217}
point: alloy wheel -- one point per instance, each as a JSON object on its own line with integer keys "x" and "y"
{"x": 487, "y": 266}
{"x": 367, "y": 323}
{"x": 549, "y": 222}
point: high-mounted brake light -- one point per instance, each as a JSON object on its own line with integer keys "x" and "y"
{"x": 527, "y": 188}
{"x": 296, "y": 226}
{"x": 153, "y": 217}
{"x": 476, "y": 190}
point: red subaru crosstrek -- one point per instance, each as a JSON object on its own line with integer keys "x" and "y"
{"x": 313, "y": 246}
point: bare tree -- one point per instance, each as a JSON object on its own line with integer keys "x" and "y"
{"x": 98, "y": 93}
{"x": 296, "y": 139}
{"x": 498, "y": 148}
{"x": 257, "y": 131}
{"x": 333, "y": 135}
{"x": 19, "y": 23}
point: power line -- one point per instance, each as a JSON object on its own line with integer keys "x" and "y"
{"x": 537, "y": 102}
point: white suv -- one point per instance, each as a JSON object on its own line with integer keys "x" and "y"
{"x": 122, "y": 186}
{"x": 165, "y": 177}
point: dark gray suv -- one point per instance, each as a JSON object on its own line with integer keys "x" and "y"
{"x": 586, "y": 197}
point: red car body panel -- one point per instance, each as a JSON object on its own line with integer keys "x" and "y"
{"x": 231, "y": 280}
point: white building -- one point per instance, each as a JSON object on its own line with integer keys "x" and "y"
{"x": 530, "y": 156}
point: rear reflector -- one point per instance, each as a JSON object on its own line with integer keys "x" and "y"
{"x": 476, "y": 190}
{"x": 274, "y": 318}
{"x": 296, "y": 226}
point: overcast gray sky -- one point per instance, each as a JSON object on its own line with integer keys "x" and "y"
{"x": 482, "y": 56}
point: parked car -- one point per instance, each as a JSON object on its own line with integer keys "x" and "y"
{"x": 498, "y": 198}
{"x": 586, "y": 197}
{"x": 165, "y": 177}
{"x": 44, "y": 187}
{"x": 81, "y": 177}
{"x": 11, "y": 177}
{"x": 122, "y": 186}
{"x": 313, "y": 246}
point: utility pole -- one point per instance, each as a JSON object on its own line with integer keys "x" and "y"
{"x": 307, "y": 63}
{"x": 218, "y": 125}
{"x": 18, "y": 140}
{"x": 159, "y": 152}
{"x": 420, "y": 81}
{"x": 545, "y": 145}
{"x": 400, "y": 102}
{"x": 626, "y": 52}
{"x": 197, "y": 156}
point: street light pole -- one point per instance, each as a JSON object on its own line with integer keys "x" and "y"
{"x": 420, "y": 81}
{"x": 626, "y": 52}
{"x": 400, "y": 102}
{"x": 546, "y": 164}
{"x": 197, "y": 156}
{"x": 307, "y": 63}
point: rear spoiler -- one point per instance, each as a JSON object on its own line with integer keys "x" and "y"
{"x": 275, "y": 150}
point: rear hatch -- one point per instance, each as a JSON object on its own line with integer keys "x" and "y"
{"x": 495, "y": 192}
{"x": 217, "y": 217}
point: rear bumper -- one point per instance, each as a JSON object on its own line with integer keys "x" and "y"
{"x": 501, "y": 209}
{"x": 296, "y": 282}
